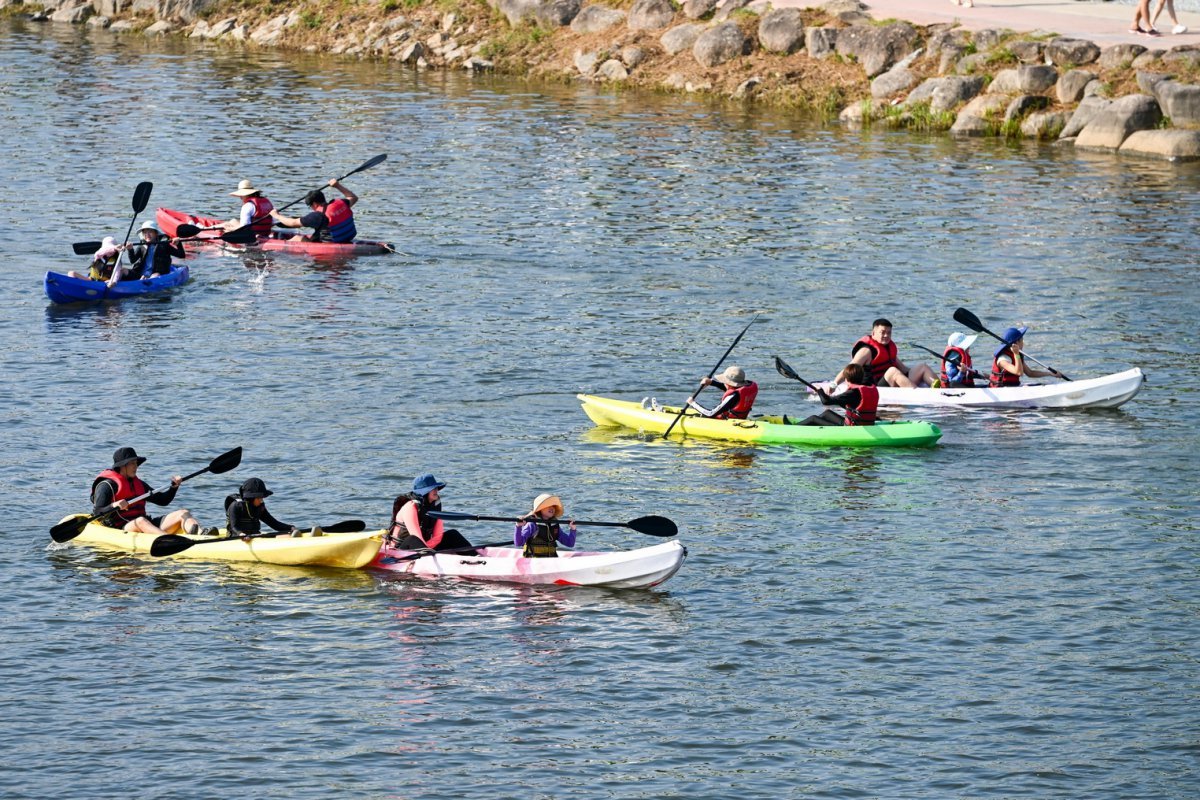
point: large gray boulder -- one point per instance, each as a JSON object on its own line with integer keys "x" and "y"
{"x": 1120, "y": 56}
{"x": 717, "y": 45}
{"x": 651, "y": 15}
{"x": 612, "y": 70}
{"x": 821, "y": 42}
{"x": 1170, "y": 144}
{"x": 1021, "y": 106}
{"x": 1182, "y": 57}
{"x": 557, "y": 13}
{"x": 73, "y": 13}
{"x": 1085, "y": 112}
{"x": 516, "y": 11}
{"x": 1147, "y": 80}
{"x": 980, "y": 116}
{"x": 681, "y": 37}
{"x": 1025, "y": 79}
{"x": 725, "y": 8}
{"x": 948, "y": 93}
{"x": 110, "y": 8}
{"x": 1071, "y": 84}
{"x": 695, "y": 9}
{"x": 1044, "y": 124}
{"x": 1109, "y": 128}
{"x": 986, "y": 39}
{"x": 877, "y": 48}
{"x": 1072, "y": 52}
{"x": 1180, "y": 102}
{"x": 782, "y": 31}
{"x": 896, "y": 80}
{"x": 595, "y": 19}
{"x": 1028, "y": 51}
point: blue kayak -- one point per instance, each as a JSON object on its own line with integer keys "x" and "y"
{"x": 63, "y": 289}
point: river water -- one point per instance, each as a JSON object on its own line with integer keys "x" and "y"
{"x": 1010, "y": 614}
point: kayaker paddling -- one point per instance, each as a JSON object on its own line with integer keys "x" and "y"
{"x": 120, "y": 485}
{"x": 539, "y": 532}
{"x": 860, "y": 399}
{"x": 152, "y": 256}
{"x": 104, "y": 261}
{"x": 413, "y": 529}
{"x": 1008, "y": 364}
{"x": 331, "y": 221}
{"x": 247, "y": 510}
{"x": 877, "y": 354}
{"x": 255, "y": 211}
{"x": 738, "y": 398}
{"x": 956, "y": 361}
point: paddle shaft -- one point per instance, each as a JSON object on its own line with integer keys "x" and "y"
{"x": 413, "y": 556}
{"x": 786, "y": 371}
{"x": 651, "y": 525}
{"x": 711, "y": 372}
{"x": 379, "y": 159}
{"x": 955, "y": 361}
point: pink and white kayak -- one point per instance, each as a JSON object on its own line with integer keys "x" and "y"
{"x": 170, "y": 220}
{"x": 632, "y": 569}
{"x": 1108, "y": 391}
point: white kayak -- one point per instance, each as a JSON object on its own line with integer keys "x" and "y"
{"x": 1108, "y": 391}
{"x": 632, "y": 569}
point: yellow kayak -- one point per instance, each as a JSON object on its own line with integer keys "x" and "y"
{"x": 350, "y": 550}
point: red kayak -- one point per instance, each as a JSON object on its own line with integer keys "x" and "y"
{"x": 169, "y": 221}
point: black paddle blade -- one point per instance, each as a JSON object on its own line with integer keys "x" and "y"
{"x": 86, "y": 248}
{"x": 242, "y": 235}
{"x": 345, "y": 526}
{"x": 653, "y": 526}
{"x": 141, "y": 196}
{"x": 379, "y": 159}
{"x": 226, "y": 461}
{"x": 169, "y": 545}
{"x": 68, "y": 529}
{"x": 783, "y": 369}
{"x": 964, "y": 317}
{"x": 186, "y": 231}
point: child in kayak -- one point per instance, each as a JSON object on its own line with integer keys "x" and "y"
{"x": 247, "y": 510}
{"x": 737, "y": 400}
{"x": 956, "y": 361}
{"x": 103, "y": 262}
{"x": 1008, "y": 365}
{"x": 540, "y": 531}
{"x": 413, "y": 529}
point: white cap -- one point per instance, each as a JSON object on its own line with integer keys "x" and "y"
{"x": 149, "y": 225}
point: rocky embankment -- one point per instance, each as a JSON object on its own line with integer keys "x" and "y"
{"x": 832, "y": 59}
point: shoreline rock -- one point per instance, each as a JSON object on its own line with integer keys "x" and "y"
{"x": 832, "y": 60}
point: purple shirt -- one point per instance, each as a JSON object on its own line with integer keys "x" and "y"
{"x": 524, "y": 532}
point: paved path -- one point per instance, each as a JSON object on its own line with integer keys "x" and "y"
{"x": 1102, "y": 23}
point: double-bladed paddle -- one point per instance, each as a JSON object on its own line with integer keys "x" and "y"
{"x": 67, "y": 530}
{"x": 712, "y": 372}
{"x": 184, "y": 233}
{"x": 651, "y": 525}
{"x": 371, "y": 162}
{"x": 964, "y": 317}
{"x": 172, "y": 543}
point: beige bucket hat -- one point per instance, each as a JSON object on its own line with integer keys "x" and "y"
{"x": 546, "y": 501}
{"x": 733, "y": 376}
{"x": 245, "y": 189}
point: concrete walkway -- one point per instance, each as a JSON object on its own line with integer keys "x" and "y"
{"x": 1102, "y": 23}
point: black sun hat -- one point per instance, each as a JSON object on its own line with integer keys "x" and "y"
{"x": 124, "y": 455}
{"x": 254, "y": 487}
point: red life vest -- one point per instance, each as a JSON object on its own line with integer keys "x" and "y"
{"x": 341, "y": 221}
{"x": 261, "y": 222}
{"x": 964, "y": 365}
{"x": 883, "y": 357}
{"x": 865, "y": 412}
{"x": 1002, "y": 377}
{"x": 741, "y": 409}
{"x": 126, "y": 490}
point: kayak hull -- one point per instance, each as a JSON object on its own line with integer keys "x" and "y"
{"x": 607, "y": 412}
{"x": 632, "y": 569}
{"x": 170, "y": 220}
{"x": 63, "y": 289}
{"x": 1108, "y": 391}
{"x": 348, "y": 550}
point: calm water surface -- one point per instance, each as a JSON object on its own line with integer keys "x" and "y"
{"x": 1011, "y": 614}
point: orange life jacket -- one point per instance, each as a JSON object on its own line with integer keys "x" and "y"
{"x": 865, "y": 412}
{"x": 741, "y": 409}
{"x": 126, "y": 490}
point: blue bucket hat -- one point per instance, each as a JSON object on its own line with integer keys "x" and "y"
{"x": 1011, "y": 336}
{"x": 424, "y": 484}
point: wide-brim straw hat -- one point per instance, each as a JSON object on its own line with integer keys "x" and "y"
{"x": 245, "y": 189}
{"x": 543, "y": 501}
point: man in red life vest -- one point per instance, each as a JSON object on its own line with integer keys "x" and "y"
{"x": 255, "y": 212}
{"x": 876, "y": 354}
{"x": 330, "y": 221}
{"x": 737, "y": 400}
{"x": 120, "y": 486}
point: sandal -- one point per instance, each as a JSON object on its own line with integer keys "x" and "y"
{"x": 1152, "y": 32}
